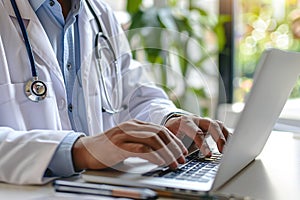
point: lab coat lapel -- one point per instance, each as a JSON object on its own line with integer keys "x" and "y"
{"x": 42, "y": 51}
{"x": 39, "y": 41}
{"x": 87, "y": 30}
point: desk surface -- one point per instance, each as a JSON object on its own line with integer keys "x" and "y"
{"x": 274, "y": 175}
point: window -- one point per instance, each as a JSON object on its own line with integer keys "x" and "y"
{"x": 256, "y": 26}
{"x": 261, "y": 24}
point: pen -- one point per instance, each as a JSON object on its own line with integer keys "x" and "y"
{"x": 103, "y": 189}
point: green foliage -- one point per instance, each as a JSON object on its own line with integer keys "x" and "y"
{"x": 261, "y": 29}
{"x": 133, "y": 6}
{"x": 169, "y": 31}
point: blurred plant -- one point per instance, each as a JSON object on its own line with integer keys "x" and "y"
{"x": 169, "y": 31}
{"x": 262, "y": 28}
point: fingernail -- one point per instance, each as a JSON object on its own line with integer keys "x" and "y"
{"x": 207, "y": 153}
{"x": 173, "y": 165}
{"x": 221, "y": 144}
{"x": 185, "y": 152}
{"x": 181, "y": 160}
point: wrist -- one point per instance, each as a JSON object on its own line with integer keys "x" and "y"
{"x": 79, "y": 155}
{"x": 82, "y": 157}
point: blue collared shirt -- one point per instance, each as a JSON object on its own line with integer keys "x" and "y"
{"x": 64, "y": 38}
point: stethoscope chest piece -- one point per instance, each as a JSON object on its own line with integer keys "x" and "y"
{"x": 35, "y": 90}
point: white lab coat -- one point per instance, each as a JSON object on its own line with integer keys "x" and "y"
{"x": 30, "y": 132}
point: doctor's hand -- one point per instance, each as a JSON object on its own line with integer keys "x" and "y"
{"x": 198, "y": 129}
{"x": 130, "y": 139}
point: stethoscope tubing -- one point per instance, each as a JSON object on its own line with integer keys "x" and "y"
{"x": 26, "y": 39}
{"x": 111, "y": 109}
{"x": 98, "y": 55}
{"x": 36, "y": 90}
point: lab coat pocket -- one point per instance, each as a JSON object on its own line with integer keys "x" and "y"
{"x": 20, "y": 113}
{"x": 10, "y": 114}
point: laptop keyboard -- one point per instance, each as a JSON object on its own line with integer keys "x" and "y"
{"x": 195, "y": 169}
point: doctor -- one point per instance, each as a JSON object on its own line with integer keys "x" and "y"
{"x": 61, "y": 113}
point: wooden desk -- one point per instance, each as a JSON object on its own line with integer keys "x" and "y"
{"x": 274, "y": 175}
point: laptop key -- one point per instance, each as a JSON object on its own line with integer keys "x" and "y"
{"x": 195, "y": 169}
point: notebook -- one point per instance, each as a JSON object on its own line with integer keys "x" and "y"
{"x": 275, "y": 76}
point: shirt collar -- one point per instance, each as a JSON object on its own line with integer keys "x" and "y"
{"x": 35, "y": 4}
{"x": 77, "y": 5}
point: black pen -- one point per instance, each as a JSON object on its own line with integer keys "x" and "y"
{"x": 103, "y": 189}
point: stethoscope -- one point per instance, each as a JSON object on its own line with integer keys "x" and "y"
{"x": 36, "y": 90}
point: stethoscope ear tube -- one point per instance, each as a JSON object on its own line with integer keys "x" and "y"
{"x": 26, "y": 39}
{"x": 35, "y": 89}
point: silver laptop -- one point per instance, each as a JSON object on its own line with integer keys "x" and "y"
{"x": 275, "y": 76}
